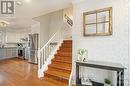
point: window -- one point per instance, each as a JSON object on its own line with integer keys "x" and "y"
{"x": 98, "y": 22}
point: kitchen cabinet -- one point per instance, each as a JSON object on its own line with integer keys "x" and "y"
{"x": 9, "y": 52}
{"x": 2, "y": 53}
{"x": 13, "y": 37}
{"x": 14, "y": 52}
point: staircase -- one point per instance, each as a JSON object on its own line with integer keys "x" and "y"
{"x": 60, "y": 68}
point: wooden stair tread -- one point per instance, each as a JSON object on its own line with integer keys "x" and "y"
{"x": 66, "y": 45}
{"x": 67, "y": 41}
{"x": 54, "y": 82}
{"x": 62, "y": 57}
{"x": 65, "y": 49}
{"x": 60, "y": 52}
{"x": 55, "y": 69}
{"x": 60, "y": 63}
{"x": 57, "y": 74}
{"x": 62, "y": 67}
{"x": 62, "y": 60}
{"x": 64, "y": 54}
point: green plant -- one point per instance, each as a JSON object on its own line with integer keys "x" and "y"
{"x": 82, "y": 51}
{"x": 107, "y": 81}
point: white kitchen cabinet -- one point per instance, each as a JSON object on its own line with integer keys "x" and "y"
{"x": 2, "y": 53}
{"x": 15, "y": 52}
{"x": 15, "y": 37}
{"x": 6, "y": 53}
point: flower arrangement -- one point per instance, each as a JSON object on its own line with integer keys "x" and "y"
{"x": 82, "y": 54}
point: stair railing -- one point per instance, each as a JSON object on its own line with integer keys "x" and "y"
{"x": 46, "y": 53}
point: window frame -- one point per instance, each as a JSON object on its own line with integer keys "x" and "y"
{"x": 109, "y": 10}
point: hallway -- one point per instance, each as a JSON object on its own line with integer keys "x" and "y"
{"x": 17, "y": 72}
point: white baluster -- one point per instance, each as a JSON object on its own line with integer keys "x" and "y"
{"x": 44, "y": 54}
{"x": 39, "y": 60}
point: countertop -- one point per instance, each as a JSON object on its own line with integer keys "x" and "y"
{"x": 8, "y": 47}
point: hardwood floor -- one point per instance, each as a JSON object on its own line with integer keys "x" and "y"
{"x": 17, "y": 72}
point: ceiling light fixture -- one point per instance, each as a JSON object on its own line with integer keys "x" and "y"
{"x": 3, "y": 23}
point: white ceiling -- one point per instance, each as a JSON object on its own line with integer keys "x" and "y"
{"x": 26, "y": 11}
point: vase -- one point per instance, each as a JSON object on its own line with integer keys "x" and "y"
{"x": 80, "y": 58}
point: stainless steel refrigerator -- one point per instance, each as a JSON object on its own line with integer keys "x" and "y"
{"x": 33, "y": 48}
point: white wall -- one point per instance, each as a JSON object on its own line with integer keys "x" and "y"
{"x": 67, "y": 28}
{"x": 35, "y": 28}
{"x": 56, "y": 22}
{"x": 49, "y": 24}
{"x": 44, "y": 28}
{"x": 129, "y": 38}
{"x": 103, "y": 48}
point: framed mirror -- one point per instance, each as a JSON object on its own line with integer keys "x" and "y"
{"x": 98, "y": 22}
